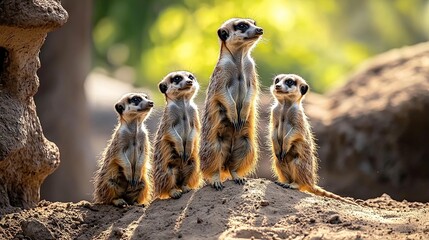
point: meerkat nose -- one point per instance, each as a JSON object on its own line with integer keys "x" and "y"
{"x": 150, "y": 104}
{"x": 278, "y": 87}
{"x": 259, "y": 31}
{"x": 189, "y": 82}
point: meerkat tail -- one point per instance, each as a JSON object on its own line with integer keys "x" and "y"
{"x": 324, "y": 193}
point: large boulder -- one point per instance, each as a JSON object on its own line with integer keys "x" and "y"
{"x": 374, "y": 138}
{"x": 26, "y": 156}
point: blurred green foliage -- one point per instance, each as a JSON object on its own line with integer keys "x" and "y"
{"x": 143, "y": 40}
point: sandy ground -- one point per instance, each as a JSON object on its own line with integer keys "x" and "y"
{"x": 258, "y": 210}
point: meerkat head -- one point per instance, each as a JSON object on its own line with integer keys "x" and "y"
{"x": 289, "y": 87}
{"x": 181, "y": 84}
{"x": 239, "y": 32}
{"x": 133, "y": 105}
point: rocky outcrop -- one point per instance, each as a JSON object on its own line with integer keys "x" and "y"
{"x": 26, "y": 156}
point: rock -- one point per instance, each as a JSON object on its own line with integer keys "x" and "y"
{"x": 26, "y": 156}
{"x": 375, "y": 127}
{"x": 34, "y": 229}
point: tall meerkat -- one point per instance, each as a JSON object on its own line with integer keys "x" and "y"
{"x": 123, "y": 177}
{"x": 295, "y": 160}
{"x": 228, "y": 141}
{"x": 176, "y": 158}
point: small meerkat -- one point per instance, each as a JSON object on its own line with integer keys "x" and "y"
{"x": 123, "y": 177}
{"x": 228, "y": 140}
{"x": 295, "y": 160}
{"x": 176, "y": 151}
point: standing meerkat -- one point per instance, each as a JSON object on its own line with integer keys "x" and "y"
{"x": 176, "y": 151}
{"x": 228, "y": 141}
{"x": 295, "y": 160}
{"x": 123, "y": 177}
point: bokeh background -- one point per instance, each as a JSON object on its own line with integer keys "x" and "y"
{"x": 111, "y": 47}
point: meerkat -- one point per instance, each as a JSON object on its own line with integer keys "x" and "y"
{"x": 228, "y": 140}
{"x": 176, "y": 150}
{"x": 293, "y": 147}
{"x": 123, "y": 177}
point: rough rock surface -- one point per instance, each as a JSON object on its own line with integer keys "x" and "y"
{"x": 259, "y": 209}
{"x": 26, "y": 156}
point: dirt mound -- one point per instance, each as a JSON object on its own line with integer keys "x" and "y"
{"x": 259, "y": 209}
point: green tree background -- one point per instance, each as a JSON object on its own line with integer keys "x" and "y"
{"x": 141, "y": 41}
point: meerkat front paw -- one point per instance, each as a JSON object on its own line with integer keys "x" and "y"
{"x": 119, "y": 202}
{"x": 138, "y": 185}
{"x": 175, "y": 193}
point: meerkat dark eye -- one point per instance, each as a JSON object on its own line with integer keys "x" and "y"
{"x": 254, "y": 23}
{"x": 136, "y": 100}
{"x": 290, "y": 82}
{"x": 242, "y": 26}
{"x": 276, "y": 80}
{"x": 176, "y": 79}
{"x": 191, "y": 77}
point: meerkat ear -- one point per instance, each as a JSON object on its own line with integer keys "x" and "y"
{"x": 119, "y": 108}
{"x": 304, "y": 89}
{"x": 163, "y": 87}
{"x": 223, "y": 34}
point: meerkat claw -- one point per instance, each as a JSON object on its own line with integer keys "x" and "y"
{"x": 241, "y": 123}
{"x": 133, "y": 183}
{"x": 283, "y": 185}
{"x": 240, "y": 181}
{"x": 218, "y": 186}
{"x": 235, "y": 124}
